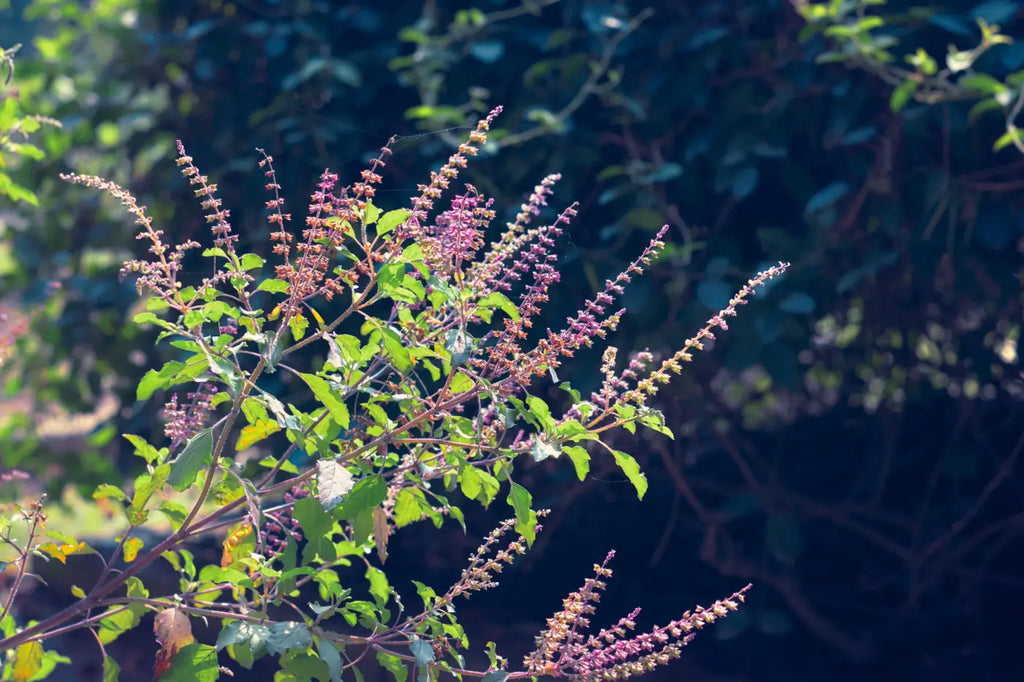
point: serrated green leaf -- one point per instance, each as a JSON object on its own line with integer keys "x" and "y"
{"x": 655, "y": 420}
{"x": 409, "y": 504}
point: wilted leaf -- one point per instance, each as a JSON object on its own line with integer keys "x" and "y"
{"x": 333, "y": 483}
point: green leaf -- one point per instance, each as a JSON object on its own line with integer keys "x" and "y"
{"x": 1011, "y": 136}
{"x": 540, "y": 411}
{"x": 193, "y": 663}
{"x": 655, "y": 420}
{"x": 519, "y": 498}
{"x": 370, "y": 213}
{"x": 580, "y": 459}
{"x": 461, "y": 383}
{"x": 409, "y": 506}
{"x": 630, "y": 467}
{"x": 421, "y": 650}
{"x": 499, "y": 300}
{"x": 470, "y": 482}
{"x": 380, "y": 590}
{"x": 301, "y": 666}
{"x": 542, "y": 450}
{"x": 391, "y": 220}
{"x": 251, "y": 261}
{"x": 990, "y": 104}
{"x": 157, "y": 379}
{"x": 901, "y": 95}
{"x": 28, "y": 660}
{"x": 366, "y": 494}
{"x": 318, "y": 526}
{"x": 298, "y": 324}
{"x": 175, "y": 512}
{"x": 196, "y": 456}
{"x": 145, "y": 486}
{"x": 105, "y": 490}
{"x": 288, "y": 635}
{"x": 460, "y": 345}
{"x": 394, "y": 665}
{"x": 329, "y": 655}
{"x": 328, "y": 398}
{"x": 113, "y": 626}
{"x": 983, "y": 83}
{"x": 243, "y": 632}
{"x": 395, "y": 349}
{"x": 111, "y": 670}
{"x": 274, "y": 286}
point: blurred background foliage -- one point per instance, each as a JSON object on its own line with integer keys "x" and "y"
{"x": 852, "y": 444}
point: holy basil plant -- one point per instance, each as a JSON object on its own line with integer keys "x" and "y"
{"x": 379, "y": 368}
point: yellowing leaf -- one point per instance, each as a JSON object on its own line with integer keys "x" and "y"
{"x": 233, "y": 541}
{"x": 381, "y": 531}
{"x": 28, "y": 660}
{"x": 61, "y": 551}
{"x": 173, "y": 631}
{"x": 333, "y": 483}
{"x": 131, "y": 549}
{"x": 253, "y": 433}
{"x": 316, "y": 316}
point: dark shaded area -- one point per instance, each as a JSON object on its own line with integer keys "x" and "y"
{"x": 852, "y": 444}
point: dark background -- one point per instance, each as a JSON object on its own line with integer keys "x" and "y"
{"x": 851, "y": 446}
